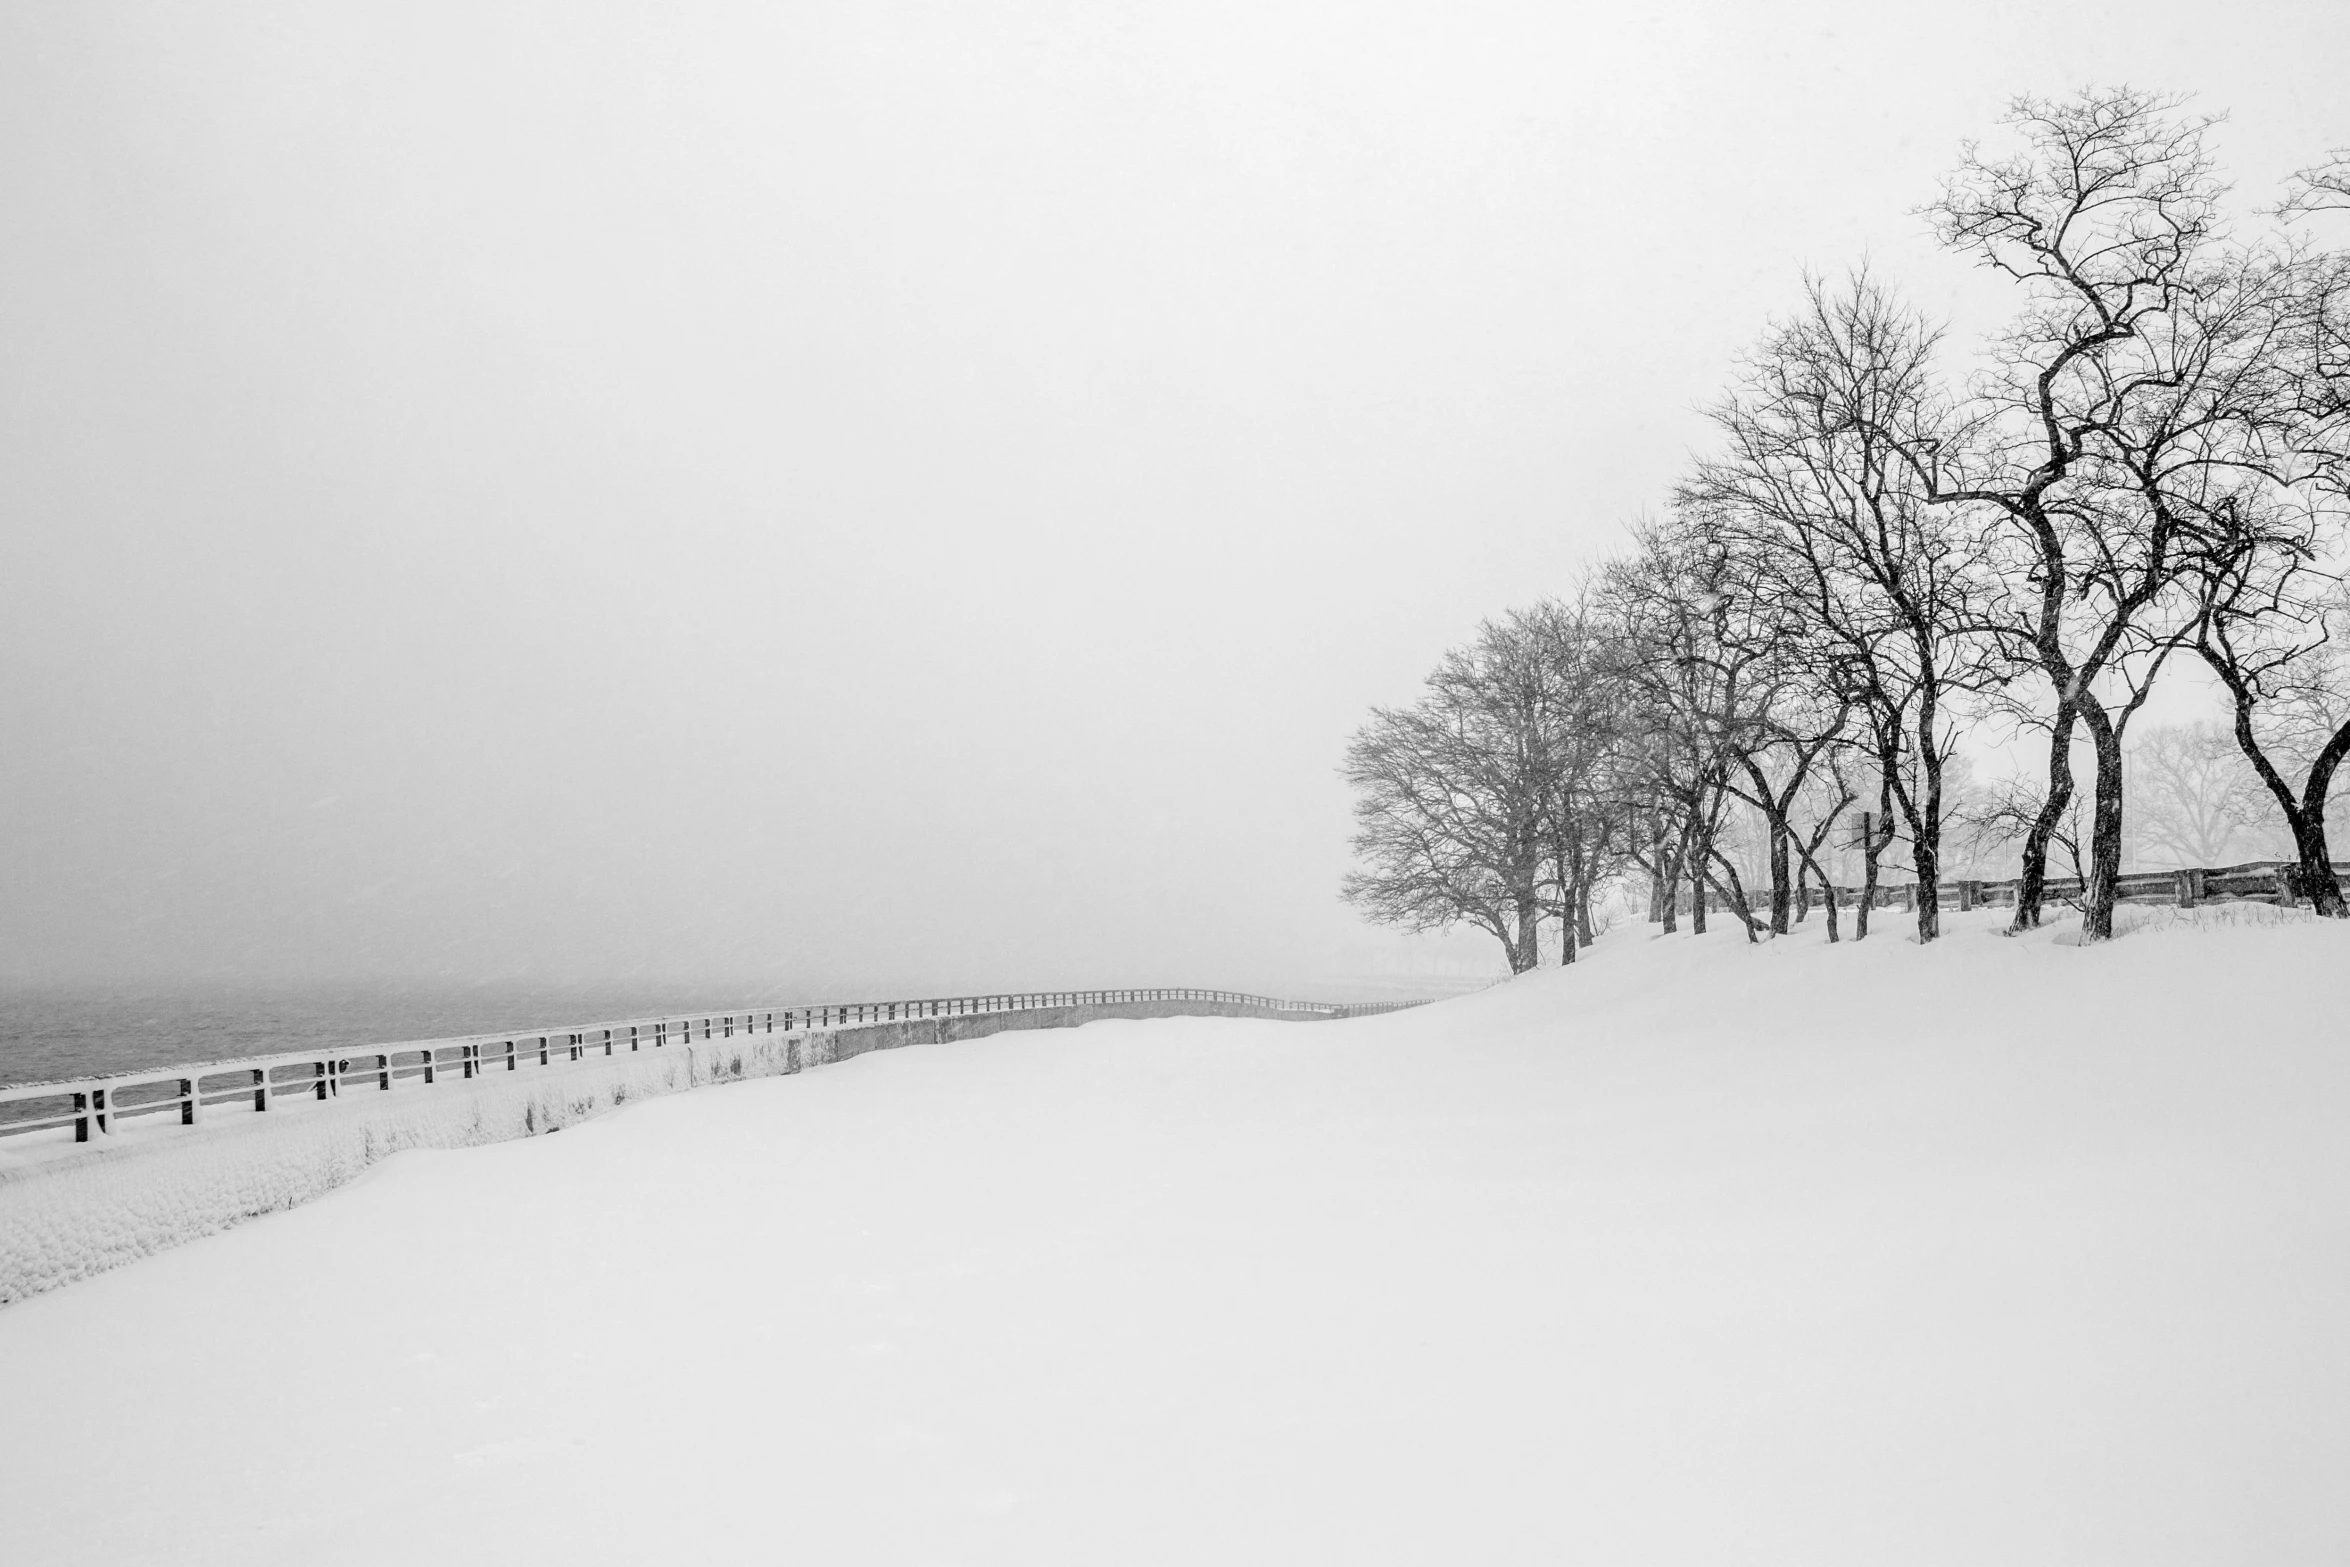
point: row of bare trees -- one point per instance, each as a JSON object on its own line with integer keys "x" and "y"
{"x": 2149, "y": 467}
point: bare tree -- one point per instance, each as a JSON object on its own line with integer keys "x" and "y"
{"x": 2106, "y": 421}
{"x": 2277, "y": 634}
{"x": 1883, "y": 587}
{"x": 2324, "y": 186}
{"x": 2273, "y": 612}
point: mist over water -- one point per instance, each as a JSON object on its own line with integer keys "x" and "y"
{"x": 516, "y": 512}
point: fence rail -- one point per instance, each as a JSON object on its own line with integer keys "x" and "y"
{"x": 2254, "y": 882}
{"x": 2261, "y": 881}
{"x": 94, "y": 1106}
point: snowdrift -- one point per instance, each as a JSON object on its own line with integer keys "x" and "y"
{"x": 68, "y": 1210}
{"x": 1999, "y": 1250}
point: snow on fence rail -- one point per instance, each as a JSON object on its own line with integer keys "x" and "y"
{"x": 94, "y": 1106}
{"x": 2263, "y": 881}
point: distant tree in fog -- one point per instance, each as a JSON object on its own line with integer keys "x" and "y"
{"x": 2191, "y": 794}
{"x": 1578, "y": 726}
{"x": 1450, "y": 800}
{"x": 1482, "y": 803}
{"x": 1704, "y": 657}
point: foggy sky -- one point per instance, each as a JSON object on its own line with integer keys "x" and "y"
{"x": 874, "y": 492}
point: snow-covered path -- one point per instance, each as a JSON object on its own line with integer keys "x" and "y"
{"x": 1615, "y": 1265}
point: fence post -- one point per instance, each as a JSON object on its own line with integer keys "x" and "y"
{"x": 2190, "y": 888}
{"x": 260, "y": 1088}
{"x": 188, "y": 1107}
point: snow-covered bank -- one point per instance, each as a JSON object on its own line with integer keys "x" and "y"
{"x": 71, "y": 1210}
{"x": 153, "y": 1186}
{"x": 1993, "y": 1251}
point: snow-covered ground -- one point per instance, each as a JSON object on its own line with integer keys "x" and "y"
{"x": 1995, "y": 1252}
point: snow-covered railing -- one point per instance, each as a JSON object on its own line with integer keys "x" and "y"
{"x": 2264, "y": 881}
{"x": 93, "y": 1106}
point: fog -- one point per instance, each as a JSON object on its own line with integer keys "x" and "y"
{"x": 880, "y": 493}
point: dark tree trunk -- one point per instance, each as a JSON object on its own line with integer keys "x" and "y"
{"x": 1660, "y": 880}
{"x": 1925, "y": 824}
{"x": 1868, "y": 875}
{"x": 1926, "y": 856}
{"x": 1810, "y": 853}
{"x": 1524, "y": 954}
{"x": 2105, "y": 838}
{"x": 1667, "y": 872}
{"x": 1571, "y": 873}
{"x": 1876, "y": 838}
{"x": 1735, "y": 896}
{"x": 2032, "y": 879}
{"x": 1774, "y": 807}
{"x": 1782, "y": 878}
{"x": 2306, "y": 815}
{"x": 2319, "y": 884}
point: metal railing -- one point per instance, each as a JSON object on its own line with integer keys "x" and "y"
{"x": 94, "y": 1106}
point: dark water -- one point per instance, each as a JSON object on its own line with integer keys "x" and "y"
{"x": 60, "y": 1032}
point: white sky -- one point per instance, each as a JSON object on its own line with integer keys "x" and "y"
{"x": 881, "y": 492}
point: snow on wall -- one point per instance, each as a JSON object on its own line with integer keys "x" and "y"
{"x": 67, "y": 1212}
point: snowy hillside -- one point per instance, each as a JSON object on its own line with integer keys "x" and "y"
{"x": 1995, "y": 1251}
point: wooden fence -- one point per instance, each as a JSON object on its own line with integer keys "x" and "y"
{"x": 2263, "y": 881}
{"x": 94, "y": 1106}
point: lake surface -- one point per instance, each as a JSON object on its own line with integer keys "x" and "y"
{"x": 85, "y": 1031}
